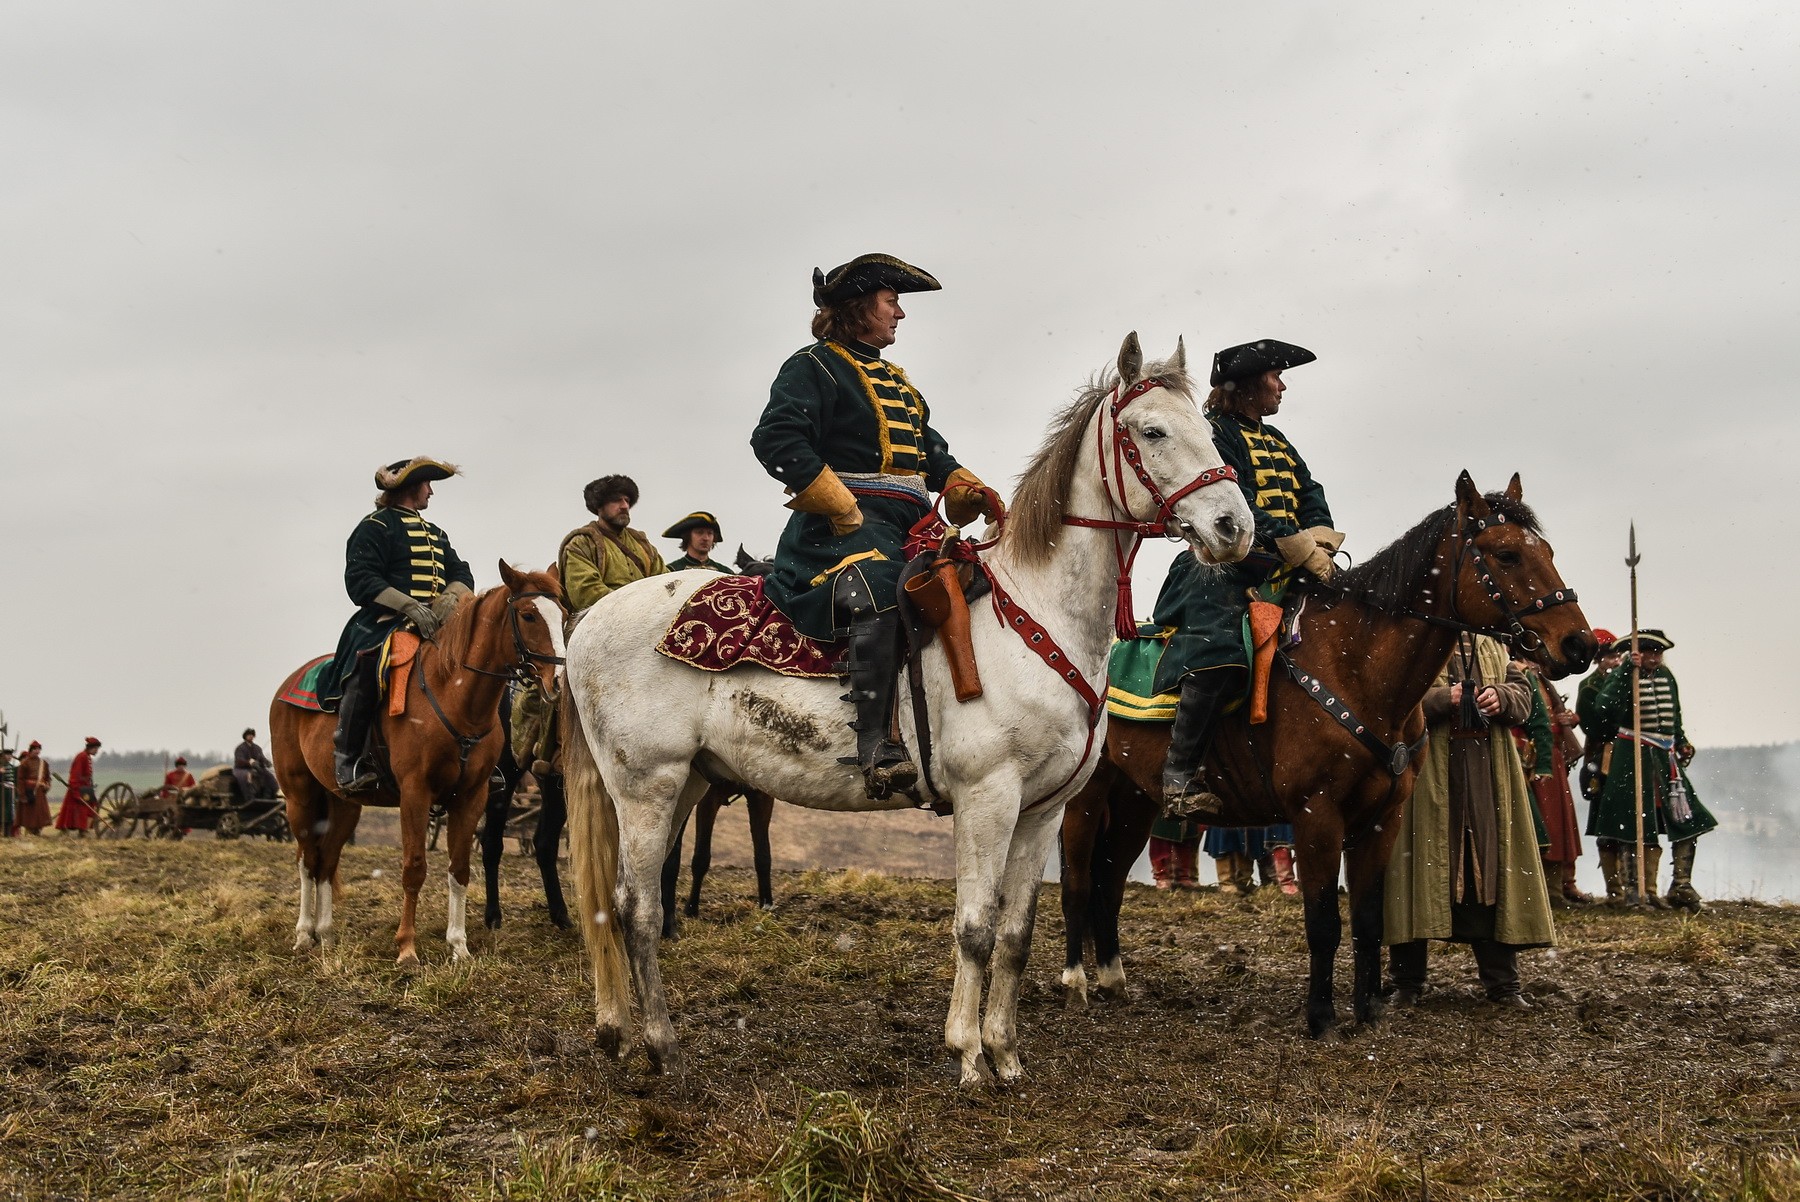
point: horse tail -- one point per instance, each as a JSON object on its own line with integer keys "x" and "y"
{"x": 594, "y": 842}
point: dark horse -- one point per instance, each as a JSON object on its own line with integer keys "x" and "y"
{"x": 1375, "y": 640}
{"x": 441, "y": 749}
{"x": 553, "y": 815}
{"x": 706, "y": 812}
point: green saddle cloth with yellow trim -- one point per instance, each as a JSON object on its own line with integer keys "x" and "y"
{"x": 1131, "y": 673}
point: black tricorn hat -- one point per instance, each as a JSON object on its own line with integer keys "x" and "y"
{"x": 1648, "y": 640}
{"x": 1252, "y": 359}
{"x": 404, "y": 472}
{"x": 865, "y": 274}
{"x": 693, "y": 521}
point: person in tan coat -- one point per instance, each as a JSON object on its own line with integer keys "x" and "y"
{"x": 1465, "y": 865}
{"x": 34, "y": 791}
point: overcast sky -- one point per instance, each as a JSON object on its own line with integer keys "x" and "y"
{"x": 253, "y": 251}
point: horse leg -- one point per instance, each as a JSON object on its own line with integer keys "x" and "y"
{"x": 415, "y": 816}
{"x": 493, "y": 846}
{"x": 1033, "y": 834}
{"x": 1366, "y": 870}
{"x": 1081, "y": 827}
{"x": 762, "y": 810}
{"x": 338, "y": 829}
{"x": 1121, "y": 843}
{"x": 705, "y": 814}
{"x": 461, "y": 831}
{"x": 547, "y": 845}
{"x": 304, "y": 810}
{"x": 1318, "y": 848}
{"x": 669, "y": 880}
{"x": 647, "y": 818}
{"x": 984, "y": 827}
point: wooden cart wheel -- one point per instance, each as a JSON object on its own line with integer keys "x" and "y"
{"x": 230, "y": 826}
{"x": 162, "y": 824}
{"x": 117, "y": 811}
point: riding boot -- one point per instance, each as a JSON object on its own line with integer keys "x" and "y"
{"x": 350, "y": 743}
{"x": 1652, "y": 869}
{"x": 873, "y": 662}
{"x": 1628, "y": 881}
{"x": 1609, "y": 870}
{"x": 1243, "y": 872}
{"x": 1227, "y": 875}
{"x": 1681, "y": 889}
{"x": 1553, "y": 884}
{"x": 1203, "y": 695}
{"x": 1265, "y": 869}
{"x": 1284, "y": 870}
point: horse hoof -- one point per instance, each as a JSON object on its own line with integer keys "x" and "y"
{"x": 303, "y": 942}
{"x": 665, "y": 1060}
{"x": 491, "y": 922}
{"x": 460, "y": 952}
{"x": 1074, "y": 983}
{"x": 611, "y": 1042}
{"x": 561, "y": 922}
{"x": 1007, "y": 1069}
{"x": 407, "y": 959}
{"x": 975, "y": 1073}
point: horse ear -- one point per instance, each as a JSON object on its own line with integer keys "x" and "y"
{"x": 1515, "y": 490}
{"x": 514, "y": 581}
{"x": 1469, "y": 497}
{"x": 1178, "y": 361}
{"x": 1131, "y": 360}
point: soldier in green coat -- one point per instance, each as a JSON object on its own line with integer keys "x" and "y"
{"x": 699, "y": 533}
{"x": 1671, "y": 806}
{"x": 1205, "y": 657}
{"x": 852, "y": 440}
{"x": 399, "y": 568}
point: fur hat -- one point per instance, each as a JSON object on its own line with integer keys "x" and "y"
{"x": 1251, "y": 359}
{"x": 865, "y": 274}
{"x": 1649, "y": 640}
{"x": 606, "y": 488}
{"x": 694, "y": 521}
{"x": 404, "y": 472}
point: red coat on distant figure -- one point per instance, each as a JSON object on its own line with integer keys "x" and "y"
{"x": 175, "y": 780}
{"x": 34, "y": 792}
{"x": 78, "y": 809}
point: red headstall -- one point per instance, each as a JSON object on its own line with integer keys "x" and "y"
{"x": 1125, "y": 451}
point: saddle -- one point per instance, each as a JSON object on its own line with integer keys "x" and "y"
{"x": 1268, "y": 626}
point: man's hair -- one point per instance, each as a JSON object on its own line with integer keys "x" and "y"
{"x": 844, "y": 320}
{"x": 1232, "y": 395}
{"x": 607, "y": 488}
{"x": 248, "y": 731}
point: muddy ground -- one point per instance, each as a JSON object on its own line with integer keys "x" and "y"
{"x": 157, "y": 1039}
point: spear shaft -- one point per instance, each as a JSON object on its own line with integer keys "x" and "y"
{"x": 1637, "y": 718}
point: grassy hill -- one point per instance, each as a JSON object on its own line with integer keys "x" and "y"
{"x": 158, "y": 1040}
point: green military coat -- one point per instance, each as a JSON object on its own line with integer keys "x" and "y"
{"x": 1613, "y": 816}
{"x": 1207, "y": 604}
{"x": 390, "y": 548}
{"x": 841, "y": 405}
{"x": 685, "y": 562}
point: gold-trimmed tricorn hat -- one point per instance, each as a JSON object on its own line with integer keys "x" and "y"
{"x": 1248, "y": 360}
{"x": 404, "y": 472}
{"x": 865, "y": 274}
{"x": 694, "y": 521}
{"x": 1648, "y": 639}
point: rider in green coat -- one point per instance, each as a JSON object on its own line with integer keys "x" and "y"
{"x": 398, "y": 568}
{"x": 852, "y": 440}
{"x": 1205, "y": 656}
{"x": 698, "y": 533}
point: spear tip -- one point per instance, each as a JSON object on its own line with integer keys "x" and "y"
{"x": 1632, "y": 558}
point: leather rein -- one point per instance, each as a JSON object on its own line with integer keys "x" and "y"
{"x": 521, "y": 671}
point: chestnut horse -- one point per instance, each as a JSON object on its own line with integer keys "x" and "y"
{"x": 441, "y": 749}
{"x": 1375, "y": 639}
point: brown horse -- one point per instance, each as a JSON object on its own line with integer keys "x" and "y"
{"x": 441, "y": 749}
{"x": 1374, "y": 641}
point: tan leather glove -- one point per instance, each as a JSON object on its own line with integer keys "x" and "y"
{"x": 445, "y": 603}
{"x": 967, "y": 498}
{"x": 413, "y": 610}
{"x": 827, "y": 495}
{"x": 1303, "y": 551}
{"x": 1326, "y": 537}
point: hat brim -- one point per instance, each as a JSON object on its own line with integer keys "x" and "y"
{"x": 414, "y": 471}
{"x": 693, "y": 522}
{"x": 869, "y": 273}
{"x": 1248, "y": 360}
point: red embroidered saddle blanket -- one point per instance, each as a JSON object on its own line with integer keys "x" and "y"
{"x": 728, "y": 621}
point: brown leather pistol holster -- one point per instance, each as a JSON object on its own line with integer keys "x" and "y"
{"x": 937, "y": 594}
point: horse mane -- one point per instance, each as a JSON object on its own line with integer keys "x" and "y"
{"x": 457, "y": 634}
{"x": 1034, "y": 521}
{"x": 1390, "y": 579}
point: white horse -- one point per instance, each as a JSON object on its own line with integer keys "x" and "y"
{"x": 1008, "y": 761}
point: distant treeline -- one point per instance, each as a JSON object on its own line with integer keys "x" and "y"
{"x": 140, "y": 761}
{"x": 1753, "y": 789}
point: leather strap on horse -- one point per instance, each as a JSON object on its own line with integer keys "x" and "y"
{"x": 1394, "y": 758}
{"x": 464, "y": 743}
{"x": 1125, "y": 451}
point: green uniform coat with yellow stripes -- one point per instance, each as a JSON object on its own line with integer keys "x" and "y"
{"x": 1205, "y": 604}
{"x": 1612, "y": 816}
{"x": 844, "y": 406}
{"x": 391, "y": 548}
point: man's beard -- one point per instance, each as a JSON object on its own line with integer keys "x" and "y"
{"x": 618, "y": 523}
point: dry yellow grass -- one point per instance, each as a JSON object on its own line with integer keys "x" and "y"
{"x": 158, "y": 1040}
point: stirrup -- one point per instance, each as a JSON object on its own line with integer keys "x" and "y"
{"x": 1183, "y": 798}
{"x": 890, "y": 771}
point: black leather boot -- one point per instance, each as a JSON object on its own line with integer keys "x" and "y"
{"x": 350, "y": 743}
{"x": 1203, "y": 695}
{"x": 874, "y": 657}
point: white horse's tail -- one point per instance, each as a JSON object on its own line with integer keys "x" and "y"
{"x": 594, "y": 840}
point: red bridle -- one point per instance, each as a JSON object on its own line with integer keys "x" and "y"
{"x": 1125, "y": 451}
